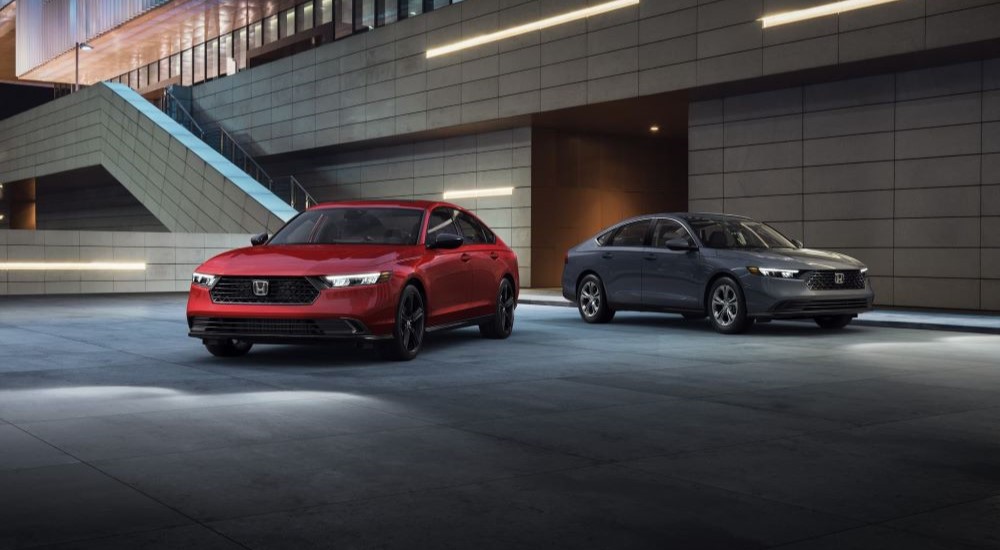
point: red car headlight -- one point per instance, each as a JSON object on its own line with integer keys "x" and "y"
{"x": 202, "y": 279}
{"x": 357, "y": 279}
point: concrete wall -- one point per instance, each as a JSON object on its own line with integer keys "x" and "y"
{"x": 901, "y": 170}
{"x": 426, "y": 169}
{"x": 89, "y": 199}
{"x": 381, "y": 84}
{"x": 170, "y": 259}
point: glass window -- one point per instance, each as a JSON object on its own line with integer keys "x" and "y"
{"x": 240, "y": 48}
{"x": 143, "y": 78}
{"x": 164, "y": 68}
{"x": 344, "y": 18}
{"x": 436, "y": 4}
{"x": 256, "y": 35}
{"x": 175, "y": 65}
{"x": 633, "y": 234}
{"x": 212, "y": 59}
{"x": 352, "y": 226}
{"x": 226, "y": 63}
{"x": 364, "y": 14}
{"x": 410, "y": 8}
{"x": 304, "y": 16}
{"x": 441, "y": 221}
{"x": 472, "y": 230}
{"x": 286, "y": 23}
{"x": 388, "y": 11}
{"x": 668, "y": 230}
{"x": 187, "y": 74}
{"x": 199, "y": 63}
{"x": 270, "y": 29}
{"x": 325, "y": 11}
{"x": 737, "y": 233}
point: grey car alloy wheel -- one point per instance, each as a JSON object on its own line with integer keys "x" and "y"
{"x": 725, "y": 305}
{"x": 590, "y": 299}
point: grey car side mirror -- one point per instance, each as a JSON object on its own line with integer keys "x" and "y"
{"x": 258, "y": 239}
{"x": 448, "y": 241}
{"x": 681, "y": 243}
{"x": 798, "y": 243}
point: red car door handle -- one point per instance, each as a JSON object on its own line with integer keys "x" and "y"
{"x": 494, "y": 255}
{"x": 466, "y": 257}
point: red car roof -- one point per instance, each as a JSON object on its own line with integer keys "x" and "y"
{"x": 401, "y": 203}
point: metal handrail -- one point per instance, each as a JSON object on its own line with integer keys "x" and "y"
{"x": 169, "y": 104}
{"x": 228, "y": 147}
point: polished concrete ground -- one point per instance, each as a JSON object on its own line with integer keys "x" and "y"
{"x": 118, "y": 431}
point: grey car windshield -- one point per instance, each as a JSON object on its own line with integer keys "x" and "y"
{"x": 400, "y": 226}
{"x": 737, "y": 234}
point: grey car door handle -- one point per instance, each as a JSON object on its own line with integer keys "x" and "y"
{"x": 650, "y": 257}
{"x": 607, "y": 255}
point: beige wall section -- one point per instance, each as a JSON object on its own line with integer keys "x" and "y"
{"x": 380, "y": 83}
{"x": 99, "y": 127}
{"x": 426, "y": 169}
{"x": 170, "y": 259}
{"x": 901, "y": 170}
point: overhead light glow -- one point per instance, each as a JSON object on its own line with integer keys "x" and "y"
{"x": 72, "y": 266}
{"x": 818, "y": 11}
{"x": 86, "y": 47}
{"x": 479, "y": 193}
{"x": 654, "y": 128}
{"x": 531, "y": 27}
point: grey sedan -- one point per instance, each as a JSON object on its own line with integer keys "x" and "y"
{"x": 732, "y": 269}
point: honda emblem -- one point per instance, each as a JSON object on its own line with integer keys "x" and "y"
{"x": 837, "y": 278}
{"x": 260, "y": 287}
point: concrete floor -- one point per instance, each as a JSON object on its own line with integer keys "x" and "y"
{"x": 118, "y": 431}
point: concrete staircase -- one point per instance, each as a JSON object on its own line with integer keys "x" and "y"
{"x": 185, "y": 183}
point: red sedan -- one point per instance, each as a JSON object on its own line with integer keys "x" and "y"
{"x": 383, "y": 271}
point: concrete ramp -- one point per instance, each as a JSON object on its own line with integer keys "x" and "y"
{"x": 186, "y": 184}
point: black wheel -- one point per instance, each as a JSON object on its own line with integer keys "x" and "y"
{"x": 834, "y": 321}
{"x": 592, "y": 301}
{"x": 408, "y": 334}
{"x": 727, "y": 307}
{"x": 502, "y": 323}
{"x": 228, "y": 347}
{"x": 693, "y": 316}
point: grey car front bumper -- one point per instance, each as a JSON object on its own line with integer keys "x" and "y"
{"x": 773, "y": 298}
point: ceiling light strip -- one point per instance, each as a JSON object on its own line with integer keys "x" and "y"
{"x": 531, "y": 27}
{"x": 479, "y": 193}
{"x": 819, "y": 11}
{"x": 72, "y": 266}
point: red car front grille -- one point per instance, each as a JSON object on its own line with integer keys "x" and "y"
{"x": 279, "y": 291}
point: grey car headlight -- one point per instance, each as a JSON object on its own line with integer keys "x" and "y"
{"x": 202, "y": 279}
{"x": 357, "y": 279}
{"x": 773, "y": 272}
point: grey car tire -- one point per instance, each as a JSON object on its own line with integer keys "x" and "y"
{"x": 592, "y": 301}
{"x": 727, "y": 307}
{"x": 501, "y": 324}
{"x": 410, "y": 328}
{"x": 227, "y": 347}
{"x": 834, "y": 321}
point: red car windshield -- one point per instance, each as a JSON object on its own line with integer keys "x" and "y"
{"x": 350, "y": 225}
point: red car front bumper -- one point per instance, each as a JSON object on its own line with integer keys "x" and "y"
{"x": 364, "y": 312}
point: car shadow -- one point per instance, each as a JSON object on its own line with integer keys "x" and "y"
{"x": 804, "y": 327}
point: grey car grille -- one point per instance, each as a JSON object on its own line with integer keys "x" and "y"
{"x": 280, "y": 291}
{"x": 827, "y": 280}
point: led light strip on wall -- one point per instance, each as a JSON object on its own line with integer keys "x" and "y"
{"x": 478, "y": 193}
{"x": 818, "y": 11}
{"x": 72, "y": 266}
{"x": 531, "y": 27}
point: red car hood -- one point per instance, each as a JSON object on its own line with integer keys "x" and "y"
{"x": 306, "y": 259}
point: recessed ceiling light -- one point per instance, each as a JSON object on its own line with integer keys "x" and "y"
{"x": 530, "y": 27}
{"x": 654, "y": 128}
{"x": 479, "y": 193}
{"x": 831, "y": 8}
